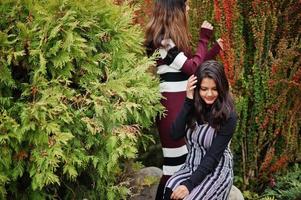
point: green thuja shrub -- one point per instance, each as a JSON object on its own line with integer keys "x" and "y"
{"x": 74, "y": 96}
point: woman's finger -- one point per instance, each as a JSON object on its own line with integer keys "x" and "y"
{"x": 207, "y": 25}
{"x": 191, "y": 77}
{"x": 191, "y": 83}
{"x": 191, "y": 80}
{"x": 220, "y": 43}
{"x": 192, "y": 87}
{"x": 175, "y": 194}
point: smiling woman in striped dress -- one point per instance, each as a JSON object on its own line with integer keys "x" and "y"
{"x": 207, "y": 120}
{"x": 168, "y": 33}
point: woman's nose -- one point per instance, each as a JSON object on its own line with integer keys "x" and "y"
{"x": 209, "y": 93}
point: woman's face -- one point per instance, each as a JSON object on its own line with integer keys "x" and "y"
{"x": 208, "y": 91}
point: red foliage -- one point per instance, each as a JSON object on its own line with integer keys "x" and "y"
{"x": 269, "y": 167}
{"x": 272, "y": 182}
{"x": 226, "y": 9}
{"x": 217, "y": 11}
{"x": 274, "y": 69}
{"x": 297, "y": 76}
{"x": 21, "y": 155}
{"x": 145, "y": 10}
{"x": 277, "y": 131}
{"x": 279, "y": 164}
{"x": 267, "y": 161}
{"x": 266, "y": 121}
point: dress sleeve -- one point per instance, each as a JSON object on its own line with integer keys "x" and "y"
{"x": 178, "y": 127}
{"x": 214, "y": 154}
{"x": 212, "y": 53}
{"x": 190, "y": 65}
{"x": 179, "y": 61}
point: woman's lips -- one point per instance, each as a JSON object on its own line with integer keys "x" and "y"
{"x": 210, "y": 99}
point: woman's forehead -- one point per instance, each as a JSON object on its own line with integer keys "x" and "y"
{"x": 207, "y": 81}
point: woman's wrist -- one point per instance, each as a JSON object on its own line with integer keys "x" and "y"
{"x": 188, "y": 100}
{"x": 205, "y": 33}
{"x": 189, "y": 97}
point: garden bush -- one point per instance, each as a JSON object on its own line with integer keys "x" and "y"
{"x": 75, "y": 93}
{"x": 286, "y": 185}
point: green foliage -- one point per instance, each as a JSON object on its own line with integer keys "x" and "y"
{"x": 74, "y": 95}
{"x": 268, "y": 198}
{"x": 287, "y": 186}
{"x": 249, "y": 195}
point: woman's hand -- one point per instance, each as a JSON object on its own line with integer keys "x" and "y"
{"x": 190, "y": 86}
{"x": 207, "y": 25}
{"x": 180, "y": 192}
{"x": 220, "y": 43}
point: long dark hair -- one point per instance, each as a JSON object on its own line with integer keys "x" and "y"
{"x": 168, "y": 20}
{"x": 223, "y": 106}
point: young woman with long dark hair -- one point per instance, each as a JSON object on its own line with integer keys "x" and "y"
{"x": 207, "y": 120}
{"x": 168, "y": 33}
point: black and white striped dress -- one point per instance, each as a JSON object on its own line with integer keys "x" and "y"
{"x": 216, "y": 183}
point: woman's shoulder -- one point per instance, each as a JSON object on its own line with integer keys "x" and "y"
{"x": 231, "y": 119}
{"x": 233, "y": 115}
